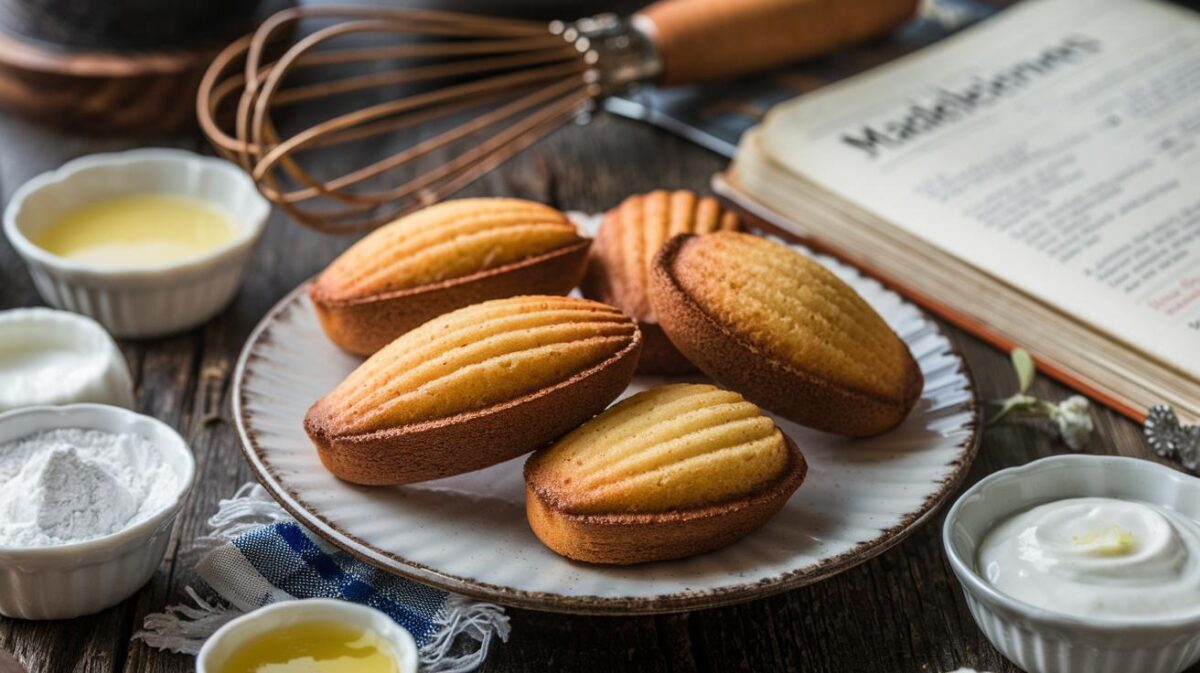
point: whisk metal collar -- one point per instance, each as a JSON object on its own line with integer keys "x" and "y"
{"x": 620, "y": 53}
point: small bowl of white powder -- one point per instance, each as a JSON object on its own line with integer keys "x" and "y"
{"x": 88, "y": 496}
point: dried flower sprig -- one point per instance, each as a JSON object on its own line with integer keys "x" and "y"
{"x": 1171, "y": 438}
{"x": 1070, "y": 419}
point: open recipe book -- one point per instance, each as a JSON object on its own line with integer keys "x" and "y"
{"x": 1035, "y": 179}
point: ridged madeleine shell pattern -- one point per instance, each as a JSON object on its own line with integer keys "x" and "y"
{"x": 474, "y": 387}
{"x": 784, "y": 331}
{"x": 618, "y": 271}
{"x": 449, "y": 240}
{"x": 476, "y": 357}
{"x": 669, "y": 448}
{"x": 668, "y": 473}
{"x": 469, "y": 533}
{"x": 442, "y": 258}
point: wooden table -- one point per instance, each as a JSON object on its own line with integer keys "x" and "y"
{"x": 899, "y": 613}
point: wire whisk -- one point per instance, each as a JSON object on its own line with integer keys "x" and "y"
{"x": 491, "y": 86}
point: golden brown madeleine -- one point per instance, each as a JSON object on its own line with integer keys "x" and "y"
{"x": 619, "y": 268}
{"x": 784, "y": 331}
{"x": 441, "y": 258}
{"x": 670, "y": 472}
{"x": 474, "y": 387}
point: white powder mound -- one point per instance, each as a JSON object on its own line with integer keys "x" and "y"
{"x": 69, "y": 485}
{"x": 72, "y": 499}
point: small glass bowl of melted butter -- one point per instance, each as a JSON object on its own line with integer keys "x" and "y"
{"x": 310, "y": 636}
{"x": 147, "y": 242}
{"x": 136, "y": 230}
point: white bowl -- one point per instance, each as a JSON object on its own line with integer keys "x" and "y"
{"x": 1044, "y": 641}
{"x": 65, "y": 581}
{"x": 229, "y": 638}
{"x": 146, "y": 300}
{"x": 56, "y": 357}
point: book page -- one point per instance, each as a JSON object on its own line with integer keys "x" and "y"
{"x": 1055, "y": 147}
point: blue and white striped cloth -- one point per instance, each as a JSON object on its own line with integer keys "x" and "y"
{"x": 288, "y": 560}
{"x": 260, "y": 555}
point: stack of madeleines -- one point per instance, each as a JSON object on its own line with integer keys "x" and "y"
{"x": 476, "y": 356}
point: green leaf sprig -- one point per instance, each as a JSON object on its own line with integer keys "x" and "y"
{"x": 1070, "y": 419}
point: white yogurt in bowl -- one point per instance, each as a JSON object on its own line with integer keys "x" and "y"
{"x": 50, "y": 357}
{"x": 1082, "y": 564}
{"x": 1097, "y": 557}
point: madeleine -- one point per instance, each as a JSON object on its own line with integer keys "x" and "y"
{"x": 473, "y": 388}
{"x": 776, "y": 326}
{"x": 670, "y": 472}
{"x": 442, "y": 258}
{"x": 618, "y": 271}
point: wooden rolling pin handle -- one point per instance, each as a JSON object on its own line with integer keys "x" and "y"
{"x": 704, "y": 40}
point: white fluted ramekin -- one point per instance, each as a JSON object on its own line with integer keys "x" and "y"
{"x": 214, "y": 656}
{"x": 98, "y": 372}
{"x": 146, "y": 300}
{"x": 1043, "y": 641}
{"x": 66, "y": 581}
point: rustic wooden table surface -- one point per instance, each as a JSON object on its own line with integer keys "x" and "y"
{"x": 899, "y": 613}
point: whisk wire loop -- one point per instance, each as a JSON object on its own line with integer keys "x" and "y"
{"x": 445, "y": 97}
{"x": 504, "y": 83}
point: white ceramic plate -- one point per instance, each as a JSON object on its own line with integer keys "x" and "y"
{"x": 468, "y": 533}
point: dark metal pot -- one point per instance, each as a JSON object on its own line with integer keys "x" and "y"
{"x": 127, "y": 24}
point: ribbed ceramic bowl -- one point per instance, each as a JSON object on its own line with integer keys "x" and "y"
{"x": 88, "y": 366}
{"x": 214, "y": 656}
{"x": 146, "y": 300}
{"x": 1042, "y": 641}
{"x": 66, "y": 581}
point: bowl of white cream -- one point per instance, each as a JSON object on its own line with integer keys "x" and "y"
{"x": 88, "y": 496}
{"x": 1082, "y": 564}
{"x": 50, "y": 357}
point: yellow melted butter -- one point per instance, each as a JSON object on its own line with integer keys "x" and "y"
{"x": 138, "y": 230}
{"x": 1111, "y": 541}
{"x": 314, "y": 647}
